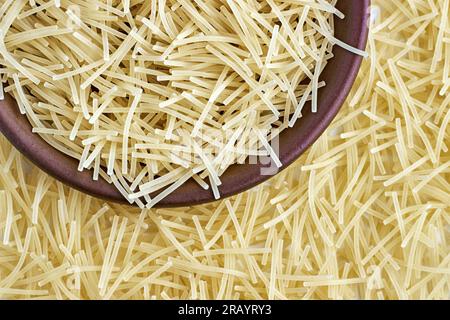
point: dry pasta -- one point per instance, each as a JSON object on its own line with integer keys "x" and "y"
{"x": 100, "y": 78}
{"x": 393, "y": 240}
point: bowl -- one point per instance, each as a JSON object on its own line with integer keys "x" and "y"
{"x": 339, "y": 75}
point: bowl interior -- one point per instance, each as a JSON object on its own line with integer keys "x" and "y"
{"x": 339, "y": 75}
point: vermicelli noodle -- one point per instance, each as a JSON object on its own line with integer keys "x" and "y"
{"x": 97, "y": 79}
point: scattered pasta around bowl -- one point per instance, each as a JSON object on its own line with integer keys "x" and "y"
{"x": 364, "y": 214}
{"x": 149, "y": 95}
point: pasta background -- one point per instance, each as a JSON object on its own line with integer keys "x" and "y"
{"x": 363, "y": 214}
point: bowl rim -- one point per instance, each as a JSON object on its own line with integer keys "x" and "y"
{"x": 239, "y": 177}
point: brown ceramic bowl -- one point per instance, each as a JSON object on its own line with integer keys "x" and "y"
{"x": 339, "y": 75}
